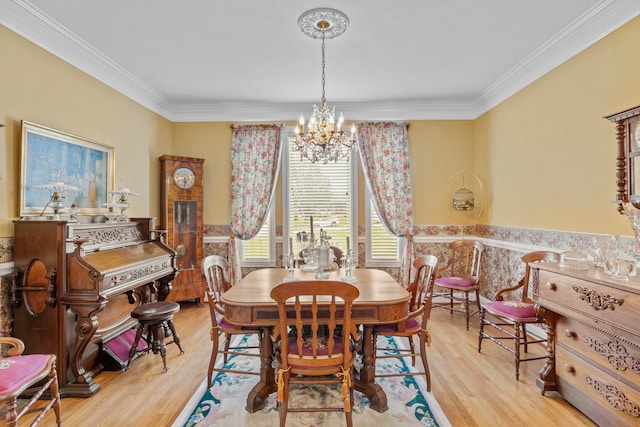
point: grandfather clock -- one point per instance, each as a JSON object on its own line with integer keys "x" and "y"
{"x": 181, "y": 216}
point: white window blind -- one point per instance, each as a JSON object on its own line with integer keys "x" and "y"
{"x": 384, "y": 244}
{"x": 321, "y": 191}
{"x": 383, "y": 248}
{"x": 260, "y": 251}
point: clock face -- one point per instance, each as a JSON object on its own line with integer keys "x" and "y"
{"x": 184, "y": 178}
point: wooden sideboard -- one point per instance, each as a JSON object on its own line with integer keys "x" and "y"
{"x": 593, "y": 356}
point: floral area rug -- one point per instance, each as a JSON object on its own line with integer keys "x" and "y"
{"x": 223, "y": 404}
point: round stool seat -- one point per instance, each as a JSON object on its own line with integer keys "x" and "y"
{"x": 155, "y": 311}
{"x": 157, "y": 319}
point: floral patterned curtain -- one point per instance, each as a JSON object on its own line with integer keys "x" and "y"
{"x": 255, "y": 161}
{"x": 384, "y": 150}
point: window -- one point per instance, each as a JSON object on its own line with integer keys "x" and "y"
{"x": 383, "y": 248}
{"x": 326, "y": 192}
{"x": 260, "y": 251}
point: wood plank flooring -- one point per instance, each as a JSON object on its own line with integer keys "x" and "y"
{"x": 473, "y": 389}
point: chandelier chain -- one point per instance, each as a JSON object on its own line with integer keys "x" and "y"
{"x": 324, "y": 100}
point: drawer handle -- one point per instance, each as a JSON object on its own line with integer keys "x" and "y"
{"x": 551, "y": 286}
{"x": 569, "y": 369}
{"x": 569, "y": 333}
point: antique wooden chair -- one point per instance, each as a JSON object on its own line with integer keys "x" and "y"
{"x": 214, "y": 268}
{"x": 511, "y": 317}
{"x": 28, "y": 375}
{"x": 309, "y": 351}
{"x": 459, "y": 277}
{"x": 421, "y": 288}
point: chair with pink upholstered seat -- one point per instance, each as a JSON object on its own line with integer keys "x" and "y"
{"x": 511, "y": 316}
{"x": 421, "y": 289}
{"x": 28, "y": 376}
{"x": 458, "y": 277}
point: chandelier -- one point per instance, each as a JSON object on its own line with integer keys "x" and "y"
{"x": 324, "y": 139}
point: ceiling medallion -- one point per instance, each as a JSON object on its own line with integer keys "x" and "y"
{"x": 323, "y": 21}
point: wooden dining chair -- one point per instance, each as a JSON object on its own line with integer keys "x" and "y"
{"x": 459, "y": 277}
{"x": 308, "y": 349}
{"x": 27, "y": 376}
{"x": 421, "y": 289}
{"x": 512, "y": 311}
{"x": 214, "y": 268}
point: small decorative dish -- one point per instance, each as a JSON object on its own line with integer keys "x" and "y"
{"x": 574, "y": 260}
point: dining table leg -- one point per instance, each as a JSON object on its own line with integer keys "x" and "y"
{"x": 267, "y": 384}
{"x": 365, "y": 382}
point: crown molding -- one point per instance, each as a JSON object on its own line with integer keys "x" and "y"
{"x": 381, "y": 110}
{"x": 21, "y": 17}
{"x": 28, "y": 21}
{"x": 583, "y": 32}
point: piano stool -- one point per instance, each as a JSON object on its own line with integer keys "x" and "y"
{"x": 156, "y": 317}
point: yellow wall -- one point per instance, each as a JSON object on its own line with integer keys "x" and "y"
{"x": 547, "y": 154}
{"x": 212, "y": 142}
{"x": 438, "y": 149}
{"x": 38, "y": 87}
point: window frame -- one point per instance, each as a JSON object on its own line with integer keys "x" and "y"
{"x": 353, "y": 162}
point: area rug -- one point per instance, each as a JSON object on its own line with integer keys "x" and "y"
{"x": 223, "y": 404}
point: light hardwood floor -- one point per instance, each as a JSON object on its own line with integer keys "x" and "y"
{"x": 473, "y": 389}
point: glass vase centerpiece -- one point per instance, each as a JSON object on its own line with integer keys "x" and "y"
{"x": 324, "y": 260}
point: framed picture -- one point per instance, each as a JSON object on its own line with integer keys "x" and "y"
{"x": 59, "y": 165}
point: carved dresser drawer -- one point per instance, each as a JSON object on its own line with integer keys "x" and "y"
{"x": 613, "y": 350}
{"x": 606, "y": 395}
{"x": 611, "y": 305}
{"x": 593, "y": 356}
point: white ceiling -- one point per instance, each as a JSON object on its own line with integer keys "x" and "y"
{"x": 247, "y": 60}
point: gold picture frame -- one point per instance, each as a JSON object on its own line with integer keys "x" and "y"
{"x": 80, "y": 171}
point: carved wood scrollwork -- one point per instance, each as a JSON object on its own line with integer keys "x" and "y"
{"x": 597, "y": 300}
{"x": 547, "y": 377}
{"x": 615, "y": 353}
{"x": 614, "y": 396}
{"x": 627, "y": 156}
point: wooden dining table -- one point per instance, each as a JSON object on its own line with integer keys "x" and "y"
{"x": 382, "y": 300}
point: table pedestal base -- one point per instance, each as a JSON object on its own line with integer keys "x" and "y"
{"x": 267, "y": 383}
{"x": 364, "y": 382}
